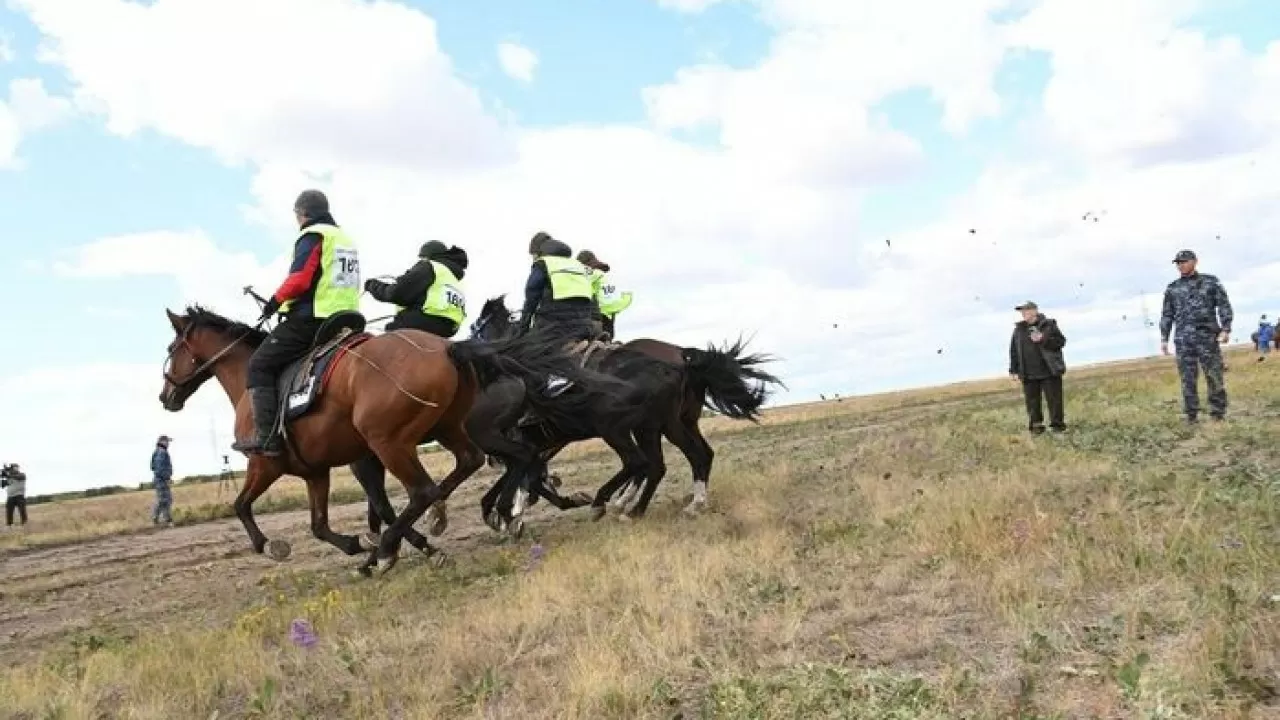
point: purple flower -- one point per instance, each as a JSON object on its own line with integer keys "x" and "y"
{"x": 301, "y": 634}
{"x": 536, "y": 552}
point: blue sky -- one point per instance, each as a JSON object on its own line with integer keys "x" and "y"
{"x": 79, "y": 183}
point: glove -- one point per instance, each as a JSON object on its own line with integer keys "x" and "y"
{"x": 370, "y": 284}
{"x": 271, "y": 308}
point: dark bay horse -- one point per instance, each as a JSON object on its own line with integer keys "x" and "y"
{"x": 723, "y": 379}
{"x": 356, "y": 395}
{"x": 616, "y": 416}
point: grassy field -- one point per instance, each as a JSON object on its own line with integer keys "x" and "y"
{"x": 914, "y": 555}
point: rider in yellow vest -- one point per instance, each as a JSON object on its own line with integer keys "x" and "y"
{"x": 324, "y": 279}
{"x": 609, "y": 301}
{"x": 430, "y": 293}
{"x": 558, "y": 296}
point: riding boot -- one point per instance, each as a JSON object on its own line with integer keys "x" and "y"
{"x": 265, "y": 407}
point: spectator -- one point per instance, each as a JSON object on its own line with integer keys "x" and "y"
{"x": 1198, "y": 305}
{"x": 161, "y": 479}
{"x": 1035, "y": 358}
{"x": 15, "y": 489}
{"x": 1264, "y": 337}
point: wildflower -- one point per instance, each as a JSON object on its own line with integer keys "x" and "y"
{"x": 301, "y": 633}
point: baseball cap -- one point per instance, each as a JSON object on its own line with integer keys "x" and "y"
{"x": 1183, "y": 256}
{"x": 1028, "y": 305}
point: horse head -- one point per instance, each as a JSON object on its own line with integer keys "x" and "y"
{"x": 201, "y": 340}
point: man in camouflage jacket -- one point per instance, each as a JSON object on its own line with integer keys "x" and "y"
{"x": 1197, "y": 304}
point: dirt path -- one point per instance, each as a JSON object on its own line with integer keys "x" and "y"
{"x": 207, "y": 574}
{"x": 198, "y": 574}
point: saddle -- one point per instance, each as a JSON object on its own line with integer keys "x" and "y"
{"x": 585, "y": 351}
{"x": 304, "y": 379}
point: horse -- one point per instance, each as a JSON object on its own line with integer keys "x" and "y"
{"x": 715, "y": 377}
{"x": 495, "y": 424}
{"x": 335, "y": 410}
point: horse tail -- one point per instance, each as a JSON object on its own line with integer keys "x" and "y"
{"x": 532, "y": 359}
{"x": 722, "y": 377}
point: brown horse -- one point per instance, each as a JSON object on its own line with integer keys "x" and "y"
{"x": 354, "y": 394}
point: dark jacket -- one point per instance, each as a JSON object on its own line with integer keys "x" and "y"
{"x": 1198, "y": 305}
{"x": 1037, "y": 360}
{"x": 161, "y": 467}
{"x": 537, "y": 295}
{"x": 410, "y": 289}
{"x": 304, "y": 271}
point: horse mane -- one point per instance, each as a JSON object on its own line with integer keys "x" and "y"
{"x": 203, "y": 318}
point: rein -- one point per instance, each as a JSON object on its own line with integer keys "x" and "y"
{"x": 205, "y": 368}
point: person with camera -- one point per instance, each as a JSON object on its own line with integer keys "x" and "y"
{"x": 1035, "y": 359}
{"x": 14, "y": 482}
{"x": 161, "y": 480}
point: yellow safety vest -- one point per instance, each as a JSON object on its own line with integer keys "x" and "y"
{"x": 339, "y": 286}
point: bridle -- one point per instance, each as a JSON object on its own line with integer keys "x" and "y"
{"x": 205, "y": 369}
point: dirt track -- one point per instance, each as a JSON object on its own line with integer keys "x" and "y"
{"x": 198, "y": 574}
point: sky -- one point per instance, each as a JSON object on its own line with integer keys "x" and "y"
{"x": 864, "y": 189}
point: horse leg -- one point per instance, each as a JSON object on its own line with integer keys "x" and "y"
{"x": 318, "y": 499}
{"x": 403, "y": 462}
{"x": 372, "y": 476}
{"x": 651, "y": 445}
{"x": 260, "y": 475}
{"x": 685, "y": 434}
{"x": 468, "y": 458}
{"x": 634, "y": 465}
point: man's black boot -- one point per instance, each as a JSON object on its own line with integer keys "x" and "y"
{"x": 264, "y": 441}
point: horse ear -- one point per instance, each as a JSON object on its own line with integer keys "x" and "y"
{"x": 177, "y": 321}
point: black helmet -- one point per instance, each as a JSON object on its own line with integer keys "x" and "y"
{"x": 431, "y": 248}
{"x": 536, "y": 243}
{"x": 311, "y": 204}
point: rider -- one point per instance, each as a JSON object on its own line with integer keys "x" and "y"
{"x": 429, "y": 293}
{"x": 610, "y": 302}
{"x": 558, "y": 297}
{"x": 324, "y": 279}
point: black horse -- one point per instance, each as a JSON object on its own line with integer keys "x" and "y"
{"x": 717, "y": 378}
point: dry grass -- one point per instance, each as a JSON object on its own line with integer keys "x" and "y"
{"x": 917, "y": 557}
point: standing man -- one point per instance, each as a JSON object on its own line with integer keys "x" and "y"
{"x": 1035, "y": 358}
{"x": 609, "y": 301}
{"x": 15, "y": 490}
{"x": 1197, "y": 303}
{"x": 1263, "y": 337}
{"x": 161, "y": 480}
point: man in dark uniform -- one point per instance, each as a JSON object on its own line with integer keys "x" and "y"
{"x": 1197, "y": 304}
{"x": 1035, "y": 358}
{"x": 429, "y": 293}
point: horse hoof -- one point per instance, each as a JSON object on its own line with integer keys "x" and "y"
{"x": 554, "y": 480}
{"x": 279, "y": 550}
{"x": 369, "y": 541}
{"x": 385, "y": 565}
{"x": 439, "y": 526}
{"x": 597, "y": 512}
{"x": 516, "y": 527}
{"x": 494, "y": 521}
{"x": 362, "y": 572}
{"x": 582, "y": 498}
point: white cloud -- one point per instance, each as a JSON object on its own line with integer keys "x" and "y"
{"x": 759, "y": 234}
{"x": 7, "y": 54}
{"x": 247, "y": 80}
{"x": 517, "y": 61}
{"x": 29, "y": 108}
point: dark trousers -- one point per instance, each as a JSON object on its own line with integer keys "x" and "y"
{"x": 607, "y": 323}
{"x": 1050, "y": 391}
{"x": 438, "y": 326}
{"x": 16, "y": 502}
{"x": 1194, "y": 355}
{"x": 289, "y": 341}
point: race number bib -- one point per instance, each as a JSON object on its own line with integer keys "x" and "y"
{"x": 454, "y": 297}
{"x": 346, "y": 268}
{"x": 609, "y": 293}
